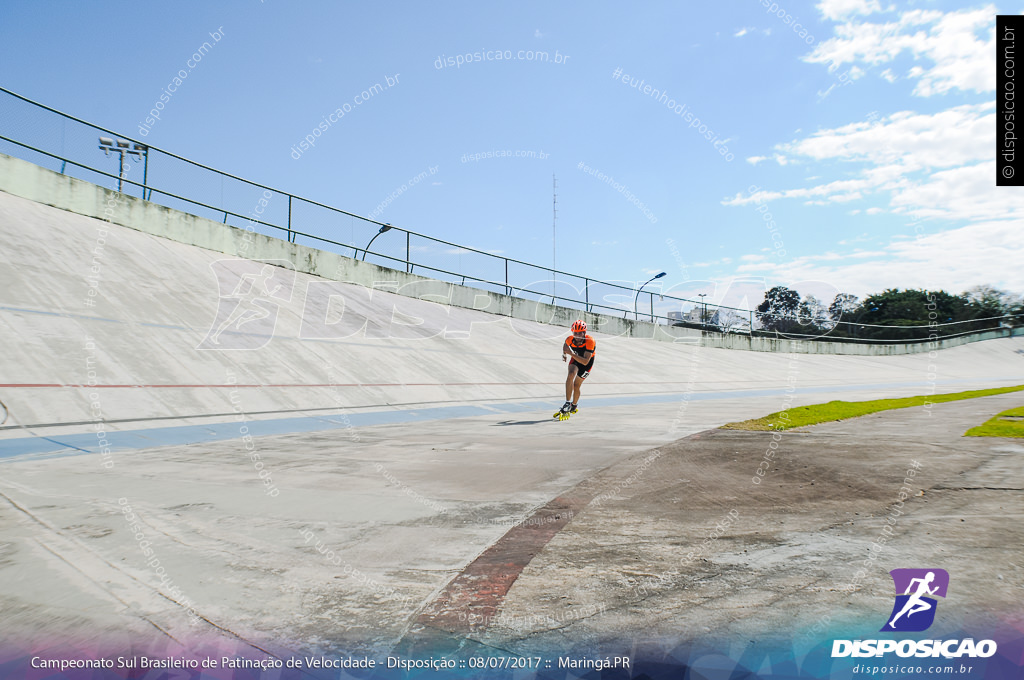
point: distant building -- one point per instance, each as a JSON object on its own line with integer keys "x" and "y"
{"x": 693, "y": 316}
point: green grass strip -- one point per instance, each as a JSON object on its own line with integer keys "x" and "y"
{"x": 802, "y": 416}
{"x": 996, "y": 427}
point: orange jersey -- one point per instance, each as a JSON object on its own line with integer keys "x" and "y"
{"x": 588, "y": 344}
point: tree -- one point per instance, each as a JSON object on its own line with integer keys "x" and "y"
{"x": 779, "y": 309}
{"x": 844, "y": 305}
{"x": 988, "y": 302}
{"x": 813, "y": 317}
{"x": 916, "y": 314}
{"x": 1016, "y": 312}
{"x": 731, "y": 321}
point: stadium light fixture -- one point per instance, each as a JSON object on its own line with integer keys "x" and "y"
{"x": 386, "y": 227}
{"x": 636, "y": 314}
{"x": 122, "y": 147}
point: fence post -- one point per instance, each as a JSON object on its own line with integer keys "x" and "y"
{"x": 751, "y": 323}
{"x": 408, "y": 262}
{"x": 652, "y": 307}
{"x": 586, "y": 293}
{"x": 289, "y": 218}
{"x": 508, "y": 291}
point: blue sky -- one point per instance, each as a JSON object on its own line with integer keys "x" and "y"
{"x": 867, "y": 135}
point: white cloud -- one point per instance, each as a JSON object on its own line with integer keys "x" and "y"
{"x": 837, "y": 191}
{"x": 965, "y": 193}
{"x": 954, "y": 260}
{"x": 958, "y": 45}
{"x": 747, "y": 30}
{"x": 713, "y": 263}
{"x": 908, "y": 139}
{"x": 754, "y": 160}
{"x": 930, "y": 165}
{"x": 860, "y": 239}
{"x": 892, "y": 151}
{"x": 937, "y": 171}
{"x": 843, "y": 9}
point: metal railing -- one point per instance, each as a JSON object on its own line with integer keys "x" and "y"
{"x": 51, "y": 138}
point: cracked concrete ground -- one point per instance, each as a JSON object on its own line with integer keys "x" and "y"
{"x": 615, "y": 570}
{"x": 640, "y": 569}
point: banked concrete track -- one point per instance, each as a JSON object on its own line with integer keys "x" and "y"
{"x": 322, "y": 474}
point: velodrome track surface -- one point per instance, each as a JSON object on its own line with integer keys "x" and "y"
{"x": 396, "y": 455}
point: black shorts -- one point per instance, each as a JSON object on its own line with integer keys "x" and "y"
{"x": 581, "y": 370}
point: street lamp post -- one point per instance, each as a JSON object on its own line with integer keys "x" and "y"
{"x": 122, "y": 147}
{"x": 386, "y": 227}
{"x": 636, "y": 314}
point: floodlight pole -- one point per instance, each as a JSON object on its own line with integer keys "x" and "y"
{"x": 121, "y": 146}
{"x": 145, "y": 172}
{"x": 120, "y": 169}
{"x": 636, "y": 314}
{"x": 386, "y": 227}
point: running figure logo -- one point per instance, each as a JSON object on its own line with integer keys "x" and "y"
{"x": 914, "y": 610}
{"x": 251, "y": 294}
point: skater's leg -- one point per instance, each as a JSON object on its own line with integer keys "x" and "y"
{"x": 569, "y": 381}
{"x": 576, "y": 390}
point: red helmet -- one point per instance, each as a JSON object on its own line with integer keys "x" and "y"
{"x": 579, "y": 327}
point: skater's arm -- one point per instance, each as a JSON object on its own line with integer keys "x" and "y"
{"x": 582, "y": 357}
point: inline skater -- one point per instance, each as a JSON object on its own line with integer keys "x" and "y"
{"x": 582, "y": 348}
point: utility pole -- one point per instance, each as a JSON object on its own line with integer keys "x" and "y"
{"x": 554, "y": 233}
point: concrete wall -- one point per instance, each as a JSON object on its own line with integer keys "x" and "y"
{"x": 762, "y": 344}
{"x": 27, "y": 180}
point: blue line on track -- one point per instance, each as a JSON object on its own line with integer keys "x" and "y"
{"x": 133, "y": 440}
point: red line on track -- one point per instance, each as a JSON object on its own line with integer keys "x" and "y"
{"x": 283, "y": 385}
{"x": 467, "y": 384}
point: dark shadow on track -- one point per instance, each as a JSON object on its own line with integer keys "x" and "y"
{"x": 524, "y": 422}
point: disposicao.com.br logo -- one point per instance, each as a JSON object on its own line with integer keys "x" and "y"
{"x": 914, "y": 611}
